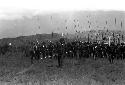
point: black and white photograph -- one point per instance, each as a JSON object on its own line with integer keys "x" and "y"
{"x": 62, "y": 42}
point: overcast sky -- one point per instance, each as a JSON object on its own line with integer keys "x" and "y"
{"x": 26, "y": 17}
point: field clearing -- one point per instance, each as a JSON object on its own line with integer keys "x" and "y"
{"x": 17, "y": 70}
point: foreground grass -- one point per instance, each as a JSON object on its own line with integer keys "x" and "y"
{"x": 15, "y": 69}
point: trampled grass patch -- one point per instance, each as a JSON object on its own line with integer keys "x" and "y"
{"x": 74, "y": 72}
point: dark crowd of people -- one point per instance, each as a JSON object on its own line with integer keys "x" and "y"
{"x": 77, "y": 49}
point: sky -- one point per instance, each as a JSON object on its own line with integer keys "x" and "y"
{"x": 27, "y": 17}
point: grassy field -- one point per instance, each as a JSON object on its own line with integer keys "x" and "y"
{"x": 17, "y": 70}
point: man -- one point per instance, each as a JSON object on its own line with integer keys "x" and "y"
{"x": 59, "y": 51}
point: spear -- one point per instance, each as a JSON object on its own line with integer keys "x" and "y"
{"x": 62, "y": 35}
{"x": 89, "y": 26}
{"x": 113, "y": 37}
{"x": 122, "y": 37}
{"x": 115, "y": 21}
{"x": 96, "y": 37}
{"x": 106, "y": 22}
{"x": 51, "y": 17}
{"x": 118, "y": 40}
{"x": 39, "y": 27}
{"x": 88, "y": 37}
{"x": 102, "y": 35}
{"x": 121, "y": 24}
{"x": 109, "y": 40}
{"x": 107, "y": 30}
{"x": 52, "y": 34}
{"x": 66, "y": 27}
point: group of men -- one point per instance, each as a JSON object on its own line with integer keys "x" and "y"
{"x": 77, "y": 49}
